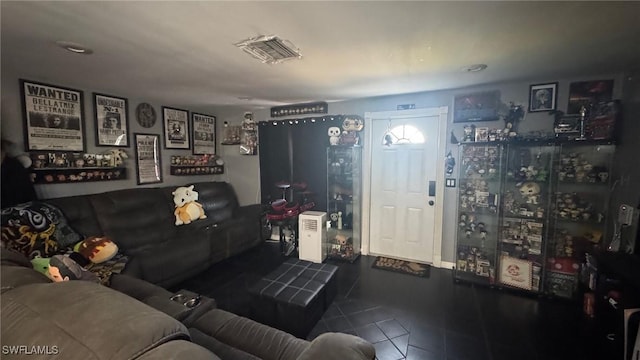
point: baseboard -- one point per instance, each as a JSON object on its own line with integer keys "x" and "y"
{"x": 446, "y": 265}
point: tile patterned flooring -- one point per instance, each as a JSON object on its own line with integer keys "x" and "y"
{"x": 408, "y": 317}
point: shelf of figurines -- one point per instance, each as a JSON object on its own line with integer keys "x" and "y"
{"x": 196, "y": 165}
{"x": 543, "y": 141}
{"x": 70, "y": 167}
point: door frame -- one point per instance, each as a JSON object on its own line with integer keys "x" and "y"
{"x": 369, "y": 117}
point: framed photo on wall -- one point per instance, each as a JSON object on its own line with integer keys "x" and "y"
{"x": 53, "y": 117}
{"x": 112, "y": 120}
{"x": 481, "y": 106}
{"x": 148, "y": 158}
{"x": 204, "y": 134}
{"x": 543, "y": 97}
{"x": 175, "y": 124}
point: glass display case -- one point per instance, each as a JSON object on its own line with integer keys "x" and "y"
{"x": 578, "y": 217}
{"x": 344, "y": 195}
{"x": 480, "y": 183}
{"x": 525, "y": 206}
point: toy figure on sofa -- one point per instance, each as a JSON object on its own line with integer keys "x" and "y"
{"x": 63, "y": 268}
{"x": 187, "y": 207}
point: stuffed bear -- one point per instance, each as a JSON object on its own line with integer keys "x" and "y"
{"x": 187, "y": 208}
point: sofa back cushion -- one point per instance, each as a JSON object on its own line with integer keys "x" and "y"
{"x": 134, "y": 218}
{"x": 83, "y": 320}
{"x": 79, "y": 214}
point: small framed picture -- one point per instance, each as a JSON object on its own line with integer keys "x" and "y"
{"x": 175, "y": 123}
{"x": 112, "y": 120}
{"x": 543, "y": 97}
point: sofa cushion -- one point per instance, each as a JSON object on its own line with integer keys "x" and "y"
{"x": 173, "y": 258}
{"x": 339, "y": 346}
{"x": 84, "y": 321}
{"x": 178, "y": 349}
{"x": 252, "y": 337}
{"x": 79, "y": 213}
{"x": 221, "y": 349}
{"x": 135, "y": 219}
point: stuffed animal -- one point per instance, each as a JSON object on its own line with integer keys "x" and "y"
{"x": 63, "y": 268}
{"x": 97, "y": 249}
{"x": 41, "y": 265}
{"x": 351, "y": 127}
{"x": 187, "y": 208}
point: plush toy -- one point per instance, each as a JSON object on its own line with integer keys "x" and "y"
{"x": 187, "y": 208}
{"x": 97, "y": 249}
{"x": 63, "y": 268}
{"x": 41, "y": 265}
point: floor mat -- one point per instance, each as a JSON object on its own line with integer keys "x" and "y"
{"x": 402, "y": 266}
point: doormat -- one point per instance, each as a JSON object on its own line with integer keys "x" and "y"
{"x": 402, "y": 266}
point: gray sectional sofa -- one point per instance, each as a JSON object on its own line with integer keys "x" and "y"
{"x": 134, "y": 319}
{"x": 141, "y": 222}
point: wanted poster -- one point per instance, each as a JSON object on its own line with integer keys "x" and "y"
{"x": 176, "y": 128}
{"x": 204, "y": 134}
{"x": 53, "y": 117}
{"x": 111, "y": 121}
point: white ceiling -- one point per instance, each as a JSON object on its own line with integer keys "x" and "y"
{"x": 182, "y": 53}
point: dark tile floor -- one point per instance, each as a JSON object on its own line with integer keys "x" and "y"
{"x": 408, "y": 317}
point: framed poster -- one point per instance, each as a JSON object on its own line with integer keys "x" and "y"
{"x": 112, "y": 120}
{"x": 587, "y": 93}
{"x": 175, "y": 123}
{"x": 148, "y": 159}
{"x": 476, "y": 107}
{"x": 53, "y": 117}
{"x": 516, "y": 272}
{"x": 204, "y": 134}
{"x": 543, "y": 97}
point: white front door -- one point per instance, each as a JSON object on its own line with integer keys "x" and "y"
{"x": 406, "y": 190}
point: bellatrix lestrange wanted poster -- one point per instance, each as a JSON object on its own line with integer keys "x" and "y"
{"x": 53, "y": 117}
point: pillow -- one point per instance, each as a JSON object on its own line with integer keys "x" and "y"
{"x": 37, "y": 229}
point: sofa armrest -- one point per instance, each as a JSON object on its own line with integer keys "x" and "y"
{"x": 339, "y": 346}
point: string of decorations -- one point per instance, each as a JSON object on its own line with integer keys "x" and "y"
{"x": 314, "y": 119}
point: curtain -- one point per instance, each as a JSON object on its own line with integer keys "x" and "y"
{"x": 295, "y": 151}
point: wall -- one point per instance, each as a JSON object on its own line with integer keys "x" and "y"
{"x": 243, "y": 171}
{"x": 12, "y": 129}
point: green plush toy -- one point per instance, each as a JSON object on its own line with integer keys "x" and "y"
{"x": 41, "y": 265}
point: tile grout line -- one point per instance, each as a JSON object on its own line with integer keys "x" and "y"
{"x": 485, "y": 335}
{"x": 346, "y": 296}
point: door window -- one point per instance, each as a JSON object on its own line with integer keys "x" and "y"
{"x": 403, "y": 134}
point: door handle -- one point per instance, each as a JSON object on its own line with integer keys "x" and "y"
{"x": 432, "y": 188}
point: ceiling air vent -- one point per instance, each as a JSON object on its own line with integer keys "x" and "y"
{"x": 269, "y": 49}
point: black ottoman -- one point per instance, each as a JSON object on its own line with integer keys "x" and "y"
{"x": 294, "y": 296}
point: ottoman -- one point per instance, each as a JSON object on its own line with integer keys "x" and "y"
{"x": 294, "y": 296}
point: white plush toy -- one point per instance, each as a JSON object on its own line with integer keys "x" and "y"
{"x": 187, "y": 208}
{"x": 334, "y": 135}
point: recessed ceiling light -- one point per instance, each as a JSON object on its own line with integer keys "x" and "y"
{"x": 474, "y": 68}
{"x": 74, "y": 47}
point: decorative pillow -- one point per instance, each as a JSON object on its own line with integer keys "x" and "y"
{"x": 98, "y": 249}
{"x": 37, "y": 229}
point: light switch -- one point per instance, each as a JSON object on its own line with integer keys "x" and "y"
{"x": 450, "y": 182}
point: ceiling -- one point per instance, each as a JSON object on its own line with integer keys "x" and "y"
{"x": 182, "y": 53}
